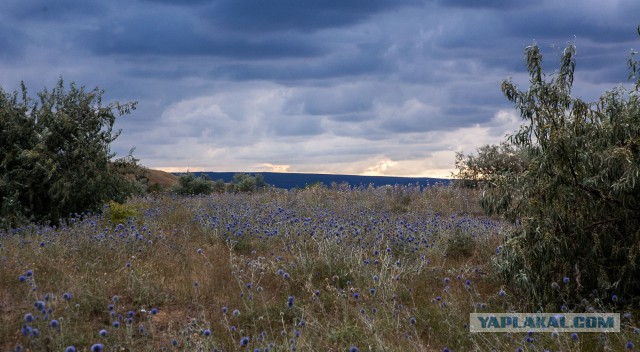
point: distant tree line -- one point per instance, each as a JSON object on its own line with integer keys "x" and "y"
{"x": 571, "y": 178}
{"x": 189, "y": 184}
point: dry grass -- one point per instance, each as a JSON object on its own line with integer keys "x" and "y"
{"x": 372, "y": 268}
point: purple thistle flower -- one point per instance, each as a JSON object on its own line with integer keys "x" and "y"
{"x": 630, "y": 345}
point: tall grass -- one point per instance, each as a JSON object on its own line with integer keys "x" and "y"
{"x": 377, "y": 269}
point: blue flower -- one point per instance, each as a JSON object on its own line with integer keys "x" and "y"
{"x": 154, "y": 311}
{"x": 244, "y": 341}
{"x": 574, "y": 336}
{"x": 412, "y": 320}
{"x": 70, "y": 349}
{"x": 98, "y": 347}
{"x": 54, "y": 324}
{"x": 206, "y": 332}
{"x": 630, "y": 345}
{"x": 29, "y": 273}
{"x": 290, "y": 301}
{"x": 225, "y": 310}
{"x": 22, "y": 278}
{"x": 39, "y": 305}
{"x": 102, "y": 333}
{"x": 67, "y": 296}
{"x": 28, "y": 318}
{"x": 236, "y": 313}
{"x": 566, "y": 279}
{"x": 614, "y": 298}
{"x": 353, "y": 349}
{"x": 116, "y": 324}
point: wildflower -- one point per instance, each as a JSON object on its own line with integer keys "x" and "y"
{"x": 206, "y": 332}
{"x": 286, "y": 276}
{"x": 39, "y": 305}
{"x": 110, "y": 307}
{"x": 501, "y": 293}
{"x": 574, "y": 336}
{"x": 372, "y": 291}
{"x": 130, "y": 314}
{"x": 174, "y": 342}
{"x": 236, "y": 313}
{"x": 54, "y": 324}
{"x": 116, "y": 324}
{"x": 630, "y": 345}
{"x": 70, "y": 349}
{"x": 22, "y": 278}
{"x": 290, "y": 301}
{"x": 412, "y": 320}
{"x": 244, "y": 341}
{"x": 98, "y": 347}
{"x": 67, "y": 296}
{"x": 356, "y": 295}
{"x": 317, "y": 293}
{"x": 28, "y": 318}
{"x": 199, "y": 251}
{"x": 566, "y": 279}
{"x": 102, "y": 333}
{"x": 154, "y": 311}
{"x": 614, "y": 298}
{"x": 29, "y": 273}
{"x": 353, "y": 349}
{"x": 225, "y": 310}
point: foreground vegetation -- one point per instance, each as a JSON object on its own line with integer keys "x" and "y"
{"x": 380, "y": 269}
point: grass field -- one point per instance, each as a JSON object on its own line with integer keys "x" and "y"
{"x": 378, "y": 269}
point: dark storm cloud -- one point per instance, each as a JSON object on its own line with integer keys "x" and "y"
{"x": 297, "y": 15}
{"x": 244, "y": 82}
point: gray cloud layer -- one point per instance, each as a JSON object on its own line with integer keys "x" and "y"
{"x": 379, "y": 86}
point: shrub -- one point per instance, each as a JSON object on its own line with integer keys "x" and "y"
{"x": 55, "y": 157}
{"x": 188, "y": 184}
{"x": 578, "y": 196}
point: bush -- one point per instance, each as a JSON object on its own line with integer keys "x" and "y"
{"x": 578, "y": 194}
{"x": 242, "y": 182}
{"x": 55, "y": 157}
{"x": 189, "y": 185}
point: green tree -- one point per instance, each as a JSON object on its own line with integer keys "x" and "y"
{"x": 243, "y": 182}
{"x": 55, "y": 156}
{"x": 578, "y": 193}
{"x": 189, "y": 185}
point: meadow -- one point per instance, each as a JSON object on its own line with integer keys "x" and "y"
{"x": 317, "y": 269}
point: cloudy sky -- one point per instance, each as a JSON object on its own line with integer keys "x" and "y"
{"x": 391, "y": 87}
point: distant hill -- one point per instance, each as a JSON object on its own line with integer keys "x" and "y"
{"x": 162, "y": 178}
{"x": 298, "y": 180}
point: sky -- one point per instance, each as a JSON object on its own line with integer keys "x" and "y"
{"x": 371, "y": 87}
